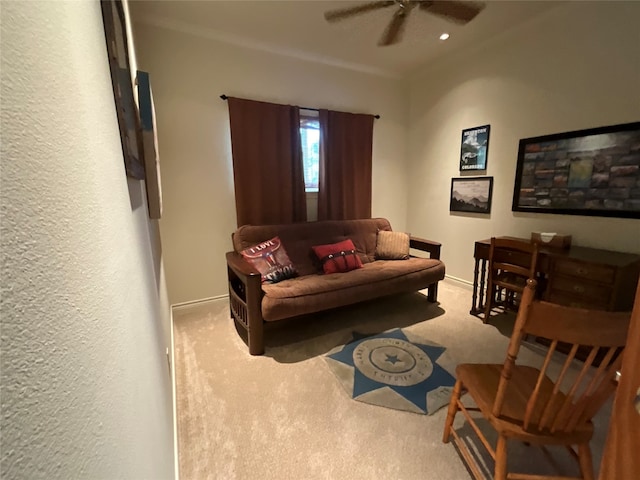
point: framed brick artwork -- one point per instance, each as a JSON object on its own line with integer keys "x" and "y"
{"x": 585, "y": 172}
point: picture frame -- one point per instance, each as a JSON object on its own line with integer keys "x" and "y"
{"x": 594, "y": 172}
{"x": 150, "y": 145}
{"x": 115, "y": 31}
{"x": 474, "y": 148}
{"x": 471, "y": 194}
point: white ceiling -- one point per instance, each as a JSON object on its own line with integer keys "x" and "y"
{"x": 298, "y": 28}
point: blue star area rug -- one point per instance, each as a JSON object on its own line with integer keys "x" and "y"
{"x": 394, "y": 371}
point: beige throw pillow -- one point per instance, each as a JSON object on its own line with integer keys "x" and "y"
{"x": 392, "y": 245}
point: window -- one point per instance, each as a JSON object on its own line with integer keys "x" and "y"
{"x": 310, "y": 139}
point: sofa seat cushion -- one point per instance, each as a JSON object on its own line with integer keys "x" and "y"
{"x": 314, "y": 293}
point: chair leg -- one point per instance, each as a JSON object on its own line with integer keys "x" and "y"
{"x": 490, "y": 298}
{"x": 501, "y": 459}
{"x": 586, "y": 462}
{"x": 453, "y": 409}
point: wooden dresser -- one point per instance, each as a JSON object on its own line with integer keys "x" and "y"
{"x": 590, "y": 278}
{"x": 577, "y": 276}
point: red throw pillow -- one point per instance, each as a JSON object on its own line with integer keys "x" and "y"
{"x": 338, "y": 257}
{"x": 271, "y": 260}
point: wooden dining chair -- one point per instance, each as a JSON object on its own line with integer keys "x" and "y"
{"x": 533, "y": 405}
{"x": 511, "y": 263}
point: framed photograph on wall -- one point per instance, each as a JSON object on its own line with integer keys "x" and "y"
{"x": 471, "y": 194}
{"x": 585, "y": 172}
{"x": 474, "y": 148}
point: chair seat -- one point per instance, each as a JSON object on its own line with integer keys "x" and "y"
{"x": 550, "y": 405}
{"x": 481, "y": 381}
{"x": 510, "y": 280}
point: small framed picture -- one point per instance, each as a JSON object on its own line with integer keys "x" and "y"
{"x": 471, "y": 194}
{"x": 474, "y": 148}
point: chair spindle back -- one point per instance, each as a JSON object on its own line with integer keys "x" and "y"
{"x": 575, "y": 397}
{"x": 512, "y": 255}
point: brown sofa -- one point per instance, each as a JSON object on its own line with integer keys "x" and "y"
{"x": 253, "y": 303}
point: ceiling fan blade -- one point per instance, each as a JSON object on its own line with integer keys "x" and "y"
{"x": 458, "y": 12}
{"x": 342, "y": 13}
{"x": 393, "y": 32}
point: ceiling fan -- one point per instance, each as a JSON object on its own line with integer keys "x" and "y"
{"x": 454, "y": 11}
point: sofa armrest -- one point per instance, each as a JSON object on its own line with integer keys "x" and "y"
{"x": 240, "y": 266}
{"x": 245, "y": 298}
{"x": 426, "y": 246}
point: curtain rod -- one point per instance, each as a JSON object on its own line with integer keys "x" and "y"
{"x": 224, "y": 97}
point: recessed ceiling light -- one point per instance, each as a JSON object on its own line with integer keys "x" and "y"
{"x": 444, "y": 36}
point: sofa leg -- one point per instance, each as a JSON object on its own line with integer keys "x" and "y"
{"x": 432, "y": 294}
{"x": 255, "y": 339}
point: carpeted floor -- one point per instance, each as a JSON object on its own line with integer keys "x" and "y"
{"x": 284, "y": 415}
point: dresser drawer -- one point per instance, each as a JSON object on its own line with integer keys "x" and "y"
{"x": 562, "y": 298}
{"x": 576, "y": 287}
{"x": 587, "y": 271}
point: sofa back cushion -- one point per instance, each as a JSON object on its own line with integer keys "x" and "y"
{"x": 298, "y": 238}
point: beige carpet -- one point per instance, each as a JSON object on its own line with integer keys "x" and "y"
{"x": 284, "y": 415}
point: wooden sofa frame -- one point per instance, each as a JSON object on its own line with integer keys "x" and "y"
{"x": 245, "y": 293}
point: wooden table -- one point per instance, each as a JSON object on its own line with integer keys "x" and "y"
{"x": 577, "y": 276}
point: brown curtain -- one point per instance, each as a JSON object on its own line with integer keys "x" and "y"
{"x": 267, "y": 163}
{"x": 344, "y": 190}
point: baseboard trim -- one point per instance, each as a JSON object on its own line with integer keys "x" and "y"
{"x": 459, "y": 281}
{"x": 175, "y": 405}
{"x": 199, "y": 301}
{"x": 178, "y": 306}
{"x": 191, "y": 303}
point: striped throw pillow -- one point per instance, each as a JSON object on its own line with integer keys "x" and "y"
{"x": 392, "y": 245}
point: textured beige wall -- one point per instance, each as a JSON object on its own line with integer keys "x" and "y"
{"x": 575, "y": 67}
{"x": 188, "y": 73}
{"x": 86, "y": 391}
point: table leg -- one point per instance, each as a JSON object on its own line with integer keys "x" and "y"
{"x": 474, "y": 309}
{"x": 483, "y": 271}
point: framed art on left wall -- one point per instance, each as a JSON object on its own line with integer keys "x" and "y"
{"x": 115, "y": 32}
{"x": 150, "y": 145}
